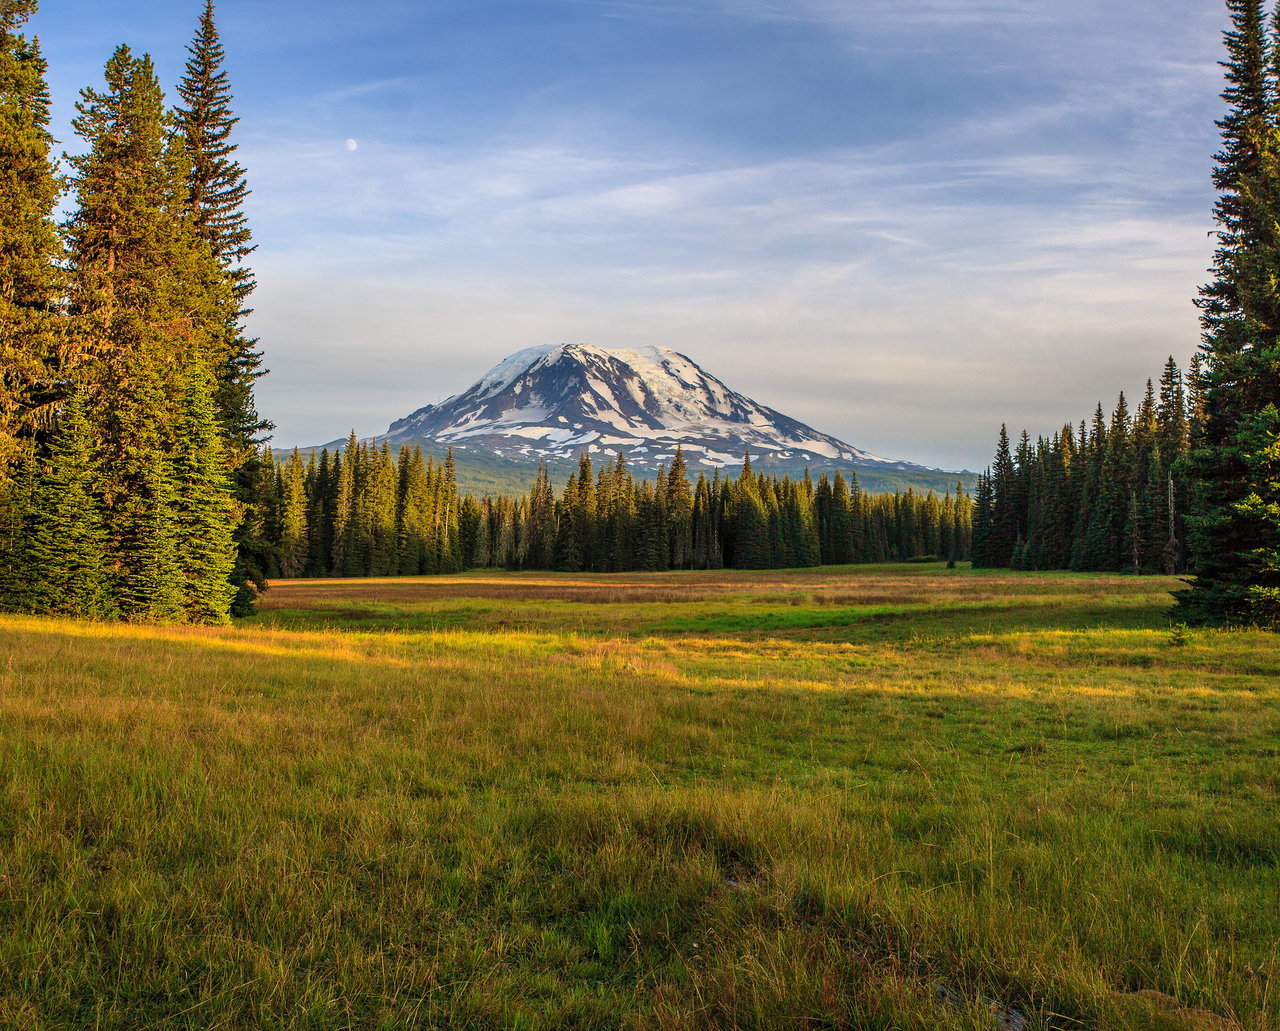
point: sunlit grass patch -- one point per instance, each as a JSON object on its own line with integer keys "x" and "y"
{"x": 543, "y": 805}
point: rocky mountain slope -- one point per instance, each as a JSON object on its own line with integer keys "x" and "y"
{"x": 553, "y": 403}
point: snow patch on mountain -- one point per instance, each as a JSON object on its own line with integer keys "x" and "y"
{"x": 560, "y": 400}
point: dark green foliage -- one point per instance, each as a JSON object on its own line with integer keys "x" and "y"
{"x": 1108, "y": 499}
{"x": 600, "y": 523}
{"x": 679, "y": 513}
{"x": 216, "y": 192}
{"x": 125, "y": 506}
{"x": 1234, "y": 524}
{"x": 295, "y": 539}
{"x": 57, "y": 562}
{"x": 30, "y": 278}
{"x": 202, "y": 506}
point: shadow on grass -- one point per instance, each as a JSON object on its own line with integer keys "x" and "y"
{"x": 885, "y": 623}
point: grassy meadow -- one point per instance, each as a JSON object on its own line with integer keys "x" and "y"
{"x": 876, "y": 797}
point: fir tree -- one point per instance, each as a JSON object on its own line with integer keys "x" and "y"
{"x": 843, "y": 538}
{"x": 202, "y": 506}
{"x": 380, "y": 490}
{"x": 450, "y": 555}
{"x": 1234, "y": 529}
{"x": 215, "y": 193}
{"x": 146, "y": 296}
{"x": 59, "y": 564}
{"x": 344, "y": 503}
{"x": 750, "y": 523}
{"x": 1006, "y": 521}
{"x": 295, "y": 538}
{"x": 30, "y": 276}
{"x": 679, "y": 505}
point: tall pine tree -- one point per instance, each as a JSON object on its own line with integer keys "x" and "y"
{"x": 30, "y": 279}
{"x": 1234, "y": 527}
{"x": 216, "y": 192}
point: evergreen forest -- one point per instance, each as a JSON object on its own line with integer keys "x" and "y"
{"x": 128, "y": 429}
{"x": 1190, "y": 483}
{"x": 1110, "y": 495}
{"x": 364, "y": 512}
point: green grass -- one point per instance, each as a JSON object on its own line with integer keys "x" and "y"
{"x": 874, "y": 797}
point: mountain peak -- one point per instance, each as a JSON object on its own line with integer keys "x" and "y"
{"x": 556, "y": 401}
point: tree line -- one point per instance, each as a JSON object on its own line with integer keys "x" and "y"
{"x": 1189, "y": 484}
{"x": 363, "y": 511}
{"x": 1108, "y": 495}
{"x": 128, "y": 429}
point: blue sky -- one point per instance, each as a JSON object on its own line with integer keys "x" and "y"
{"x": 902, "y": 221}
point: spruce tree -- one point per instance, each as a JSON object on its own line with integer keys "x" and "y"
{"x": 295, "y": 538}
{"x": 139, "y": 486}
{"x": 843, "y": 538}
{"x": 344, "y": 504}
{"x": 1172, "y": 435}
{"x": 60, "y": 564}
{"x": 1234, "y": 528}
{"x": 216, "y": 192}
{"x": 30, "y": 250}
{"x": 750, "y": 523}
{"x": 679, "y": 504}
{"x": 145, "y": 296}
{"x": 202, "y": 506}
{"x": 380, "y": 506}
{"x": 450, "y": 554}
{"x": 568, "y": 554}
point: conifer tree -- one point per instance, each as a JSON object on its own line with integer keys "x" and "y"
{"x": 1006, "y": 526}
{"x": 469, "y": 532}
{"x": 585, "y": 513}
{"x": 1172, "y": 437}
{"x": 706, "y": 544}
{"x": 380, "y": 508}
{"x": 679, "y": 505}
{"x": 295, "y": 538}
{"x": 484, "y": 537}
{"x": 58, "y": 563}
{"x": 650, "y": 540}
{"x": 144, "y": 288}
{"x": 216, "y": 192}
{"x": 30, "y": 276}
{"x": 750, "y": 523}
{"x": 983, "y": 554}
{"x": 146, "y": 295}
{"x": 319, "y": 514}
{"x": 344, "y": 508}
{"x": 138, "y": 484}
{"x": 450, "y": 557}
{"x": 202, "y": 506}
{"x": 568, "y": 555}
{"x": 540, "y": 528}
{"x": 1234, "y": 528}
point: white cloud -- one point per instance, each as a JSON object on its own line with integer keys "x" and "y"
{"x": 1017, "y": 263}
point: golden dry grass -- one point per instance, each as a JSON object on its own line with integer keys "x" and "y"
{"x": 858, "y": 798}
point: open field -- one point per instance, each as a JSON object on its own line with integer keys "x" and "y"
{"x": 873, "y": 797}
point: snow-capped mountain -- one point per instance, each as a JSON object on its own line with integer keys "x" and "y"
{"x": 556, "y": 402}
